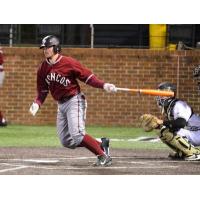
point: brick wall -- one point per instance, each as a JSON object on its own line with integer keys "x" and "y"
{"x": 123, "y": 67}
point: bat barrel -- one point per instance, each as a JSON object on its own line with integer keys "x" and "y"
{"x": 149, "y": 92}
{"x": 157, "y": 92}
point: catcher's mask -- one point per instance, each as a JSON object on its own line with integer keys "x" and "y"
{"x": 51, "y": 41}
{"x": 167, "y": 87}
{"x": 196, "y": 75}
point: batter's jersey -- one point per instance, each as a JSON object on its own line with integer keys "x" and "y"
{"x": 1, "y": 61}
{"x": 61, "y": 77}
{"x": 2, "y": 73}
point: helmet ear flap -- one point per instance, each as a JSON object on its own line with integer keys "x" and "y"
{"x": 56, "y": 49}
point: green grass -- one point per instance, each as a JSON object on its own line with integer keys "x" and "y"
{"x": 46, "y": 136}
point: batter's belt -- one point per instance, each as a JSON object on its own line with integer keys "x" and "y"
{"x": 65, "y": 99}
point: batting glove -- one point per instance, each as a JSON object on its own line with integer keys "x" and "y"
{"x": 34, "y": 108}
{"x": 108, "y": 87}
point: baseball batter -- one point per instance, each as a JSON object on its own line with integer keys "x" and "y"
{"x": 58, "y": 74}
{"x": 2, "y": 75}
{"x": 180, "y": 127}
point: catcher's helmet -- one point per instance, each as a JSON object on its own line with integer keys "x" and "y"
{"x": 167, "y": 87}
{"x": 51, "y": 41}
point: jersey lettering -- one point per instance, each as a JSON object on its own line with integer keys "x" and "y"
{"x": 53, "y": 77}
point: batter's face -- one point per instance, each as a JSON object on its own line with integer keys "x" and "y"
{"x": 48, "y": 52}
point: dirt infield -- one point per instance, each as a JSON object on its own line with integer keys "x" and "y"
{"x": 61, "y": 161}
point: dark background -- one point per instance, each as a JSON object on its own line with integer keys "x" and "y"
{"x": 105, "y": 35}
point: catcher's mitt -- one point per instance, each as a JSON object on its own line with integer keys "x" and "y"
{"x": 150, "y": 122}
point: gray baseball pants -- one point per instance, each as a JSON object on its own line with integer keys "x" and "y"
{"x": 71, "y": 117}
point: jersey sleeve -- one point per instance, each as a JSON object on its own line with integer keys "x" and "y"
{"x": 85, "y": 75}
{"x": 1, "y": 59}
{"x": 42, "y": 87}
{"x": 95, "y": 82}
{"x": 81, "y": 72}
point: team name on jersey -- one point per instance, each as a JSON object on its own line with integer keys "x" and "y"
{"x": 53, "y": 77}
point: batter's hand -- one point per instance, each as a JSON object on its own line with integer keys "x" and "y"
{"x": 108, "y": 87}
{"x": 34, "y": 108}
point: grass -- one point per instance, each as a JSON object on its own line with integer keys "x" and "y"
{"x": 46, "y": 136}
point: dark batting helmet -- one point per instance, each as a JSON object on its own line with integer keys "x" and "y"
{"x": 167, "y": 87}
{"x": 51, "y": 41}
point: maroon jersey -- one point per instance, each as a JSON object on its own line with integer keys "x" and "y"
{"x": 61, "y": 77}
{"x": 1, "y": 59}
{"x": 1, "y": 62}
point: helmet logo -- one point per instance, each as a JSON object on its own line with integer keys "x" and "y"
{"x": 45, "y": 39}
{"x": 50, "y": 41}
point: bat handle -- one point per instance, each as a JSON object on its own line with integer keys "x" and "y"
{"x": 123, "y": 89}
{"x": 129, "y": 90}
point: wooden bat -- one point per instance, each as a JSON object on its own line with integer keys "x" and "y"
{"x": 149, "y": 92}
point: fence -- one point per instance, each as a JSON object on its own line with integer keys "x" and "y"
{"x": 77, "y": 35}
{"x": 123, "y": 67}
{"x": 96, "y": 35}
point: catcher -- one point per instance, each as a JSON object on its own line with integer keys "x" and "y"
{"x": 180, "y": 127}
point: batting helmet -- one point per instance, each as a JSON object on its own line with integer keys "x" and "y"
{"x": 167, "y": 87}
{"x": 51, "y": 41}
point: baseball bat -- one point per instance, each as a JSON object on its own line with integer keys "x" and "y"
{"x": 151, "y": 92}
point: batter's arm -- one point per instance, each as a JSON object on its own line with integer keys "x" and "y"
{"x": 2, "y": 73}
{"x": 97, "y": 83}
{"x": 42, "y": 89}
{"x": 85, "y": 75}
{"x": 93, "y": 81}
{"x": 1, "y": 56}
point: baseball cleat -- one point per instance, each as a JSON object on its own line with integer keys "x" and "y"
{"x": 194, "y": 157}
{"x": 3, "y": 122}
{"x": 105, "y": 145}
{"x": 103, "y": 161}
{"x": 176, "y": 156}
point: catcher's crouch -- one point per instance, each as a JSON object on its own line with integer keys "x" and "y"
{"x": 180, "y": 127}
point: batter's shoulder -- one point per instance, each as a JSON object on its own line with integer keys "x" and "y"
{"x": 42, "y": 65}
{"x": 70, "y": 61}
